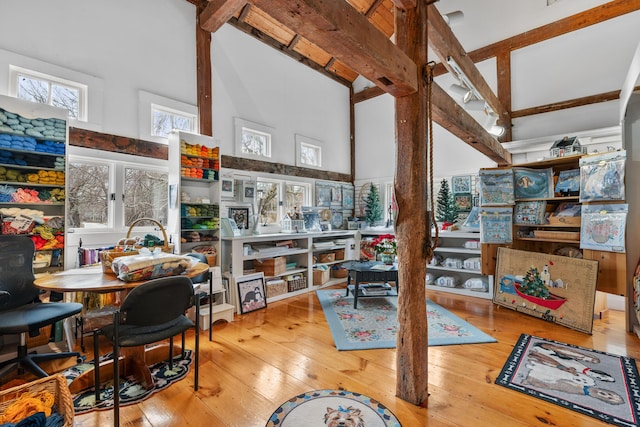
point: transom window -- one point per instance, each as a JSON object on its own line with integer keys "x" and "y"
{"x": 252, "y": 139}
{"x": 45, "y": 89}
{"x": 309, "y": 152}
{"x": 166, "y": 119}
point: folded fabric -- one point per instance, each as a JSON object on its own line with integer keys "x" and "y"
{"x": 150, "y": 265}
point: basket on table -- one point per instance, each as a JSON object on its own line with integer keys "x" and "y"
{"x": 209, "y": 252}
{"x": 107, "y": 257}
{"x": 55, "y": 384}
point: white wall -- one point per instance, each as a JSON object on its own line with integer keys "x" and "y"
{"x": 120, "y": 48}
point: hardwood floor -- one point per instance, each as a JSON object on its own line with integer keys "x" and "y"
{"x": 263, "y": 358}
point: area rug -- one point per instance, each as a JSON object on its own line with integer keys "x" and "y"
{"x": 333, "y": 408}
{"x": 130, "y": 391}
{"x": 374, "y": 324}
{"x": 601, "y": 385}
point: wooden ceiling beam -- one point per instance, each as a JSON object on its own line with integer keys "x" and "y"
{"x": 270, "y": 41}
{"x": 218, "y": 12}
{"x": 446, "y": 45}
{"x": 452, "y": 117}
{"x": 346, "y": 34}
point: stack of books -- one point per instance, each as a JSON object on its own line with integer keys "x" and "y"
{"x": 375, "y": 289}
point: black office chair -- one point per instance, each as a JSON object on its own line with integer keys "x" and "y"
{"x": 151, "y": 312}
{"x": 21, "y": 311}
{"x": 205, "y": 277}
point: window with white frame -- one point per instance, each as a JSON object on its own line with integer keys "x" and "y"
{"x": 95, "y": 201}
{"x": 309, "y": 152}
{"x": 252, "y": 139}
{"x": 46, "y": 89}
{"x": 296, "y": 195}
{"x": 159, "y": 115}
{"x": 166, "y": 119}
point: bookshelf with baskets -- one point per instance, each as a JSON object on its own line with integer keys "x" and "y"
{"x": 286, "y": 260}
{"x": 33, "y": 139}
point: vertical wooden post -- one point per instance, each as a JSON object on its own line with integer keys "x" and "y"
{"x": 203, "y": 75}
{"x": 412, "y": 227}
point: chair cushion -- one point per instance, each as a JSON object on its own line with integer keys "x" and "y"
{"x": 32, "y": 317}
{"x": 133, "y": 335}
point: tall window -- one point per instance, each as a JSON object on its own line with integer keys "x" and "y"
{"x": 45, "y": 89}
{"x": 145, "y": 195}
{"x": 88, "y": 195}
{"x": 270, "y": 212}
{"x": 296, "y": 196}
{"x": 252, "y": 139}
{"x": 165, "y": 119}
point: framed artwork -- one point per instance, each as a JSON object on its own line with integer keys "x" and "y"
{"x": 555, "y": 288}
{"x": 532, "y": 212}
{"x": 240, "y": 216}
{"x": 323, "y": 194}
{"x": 463, "y": 202}
{"x": 336, "y": 220}
{"x": 602, "y": 177}
{"x": 603, "y": 227}
{"x": 227, "y": 186}
{"x": 348, "y": 194}
{"x": 533, "y": 183}
{"x": 472, "y": 222}
{"x": 496, "y": 187}
{"x": 311, "y": 221}
{"x": 461, "y": 184}
{"x": 496, "y": 225}
{"x": 251, "y": 292}
{"x": 248, "y": 192}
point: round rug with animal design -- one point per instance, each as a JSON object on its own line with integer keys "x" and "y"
{"x": 332, "y": 408}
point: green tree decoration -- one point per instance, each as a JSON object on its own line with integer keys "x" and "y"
{"x": 373, "y": 208}
{"x": 533, "y": 285}
{"x": 446, "y": 208}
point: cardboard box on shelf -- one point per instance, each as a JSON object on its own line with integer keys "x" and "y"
{"x": 271, "y": 266}
{"x": 321, "y": 277}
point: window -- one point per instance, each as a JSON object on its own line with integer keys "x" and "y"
{"x": 270, "y": 211}
{"x": 252, "y": 139}
{"x": 158, "y": 115}
{"x": 45, "y": 89}
{"x": 166, "y": 119}
{"x": 88, "y": 195}
{"x": 296, "y": 196}
{"x": 309, "y": 152}
{"x": 96, "y": 202}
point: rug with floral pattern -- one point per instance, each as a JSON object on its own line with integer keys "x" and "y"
{"x": 374, "y": 324}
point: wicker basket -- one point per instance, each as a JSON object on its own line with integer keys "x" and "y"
{"x": 296, "y": 284}
{"x": 107, "y": 257}
{"x": 55, "y": 384}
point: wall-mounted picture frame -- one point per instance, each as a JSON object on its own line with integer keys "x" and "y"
{"x": 251, "y": 292}
{"x": 348, "y": 193}
{"x": 463, "y": 202}
{"x": 323, "y": 194}
{"x": 248, "y": 191}
{"x": 227, "y": 188}
{"x": 461, "y": 184}
{"x": 240, "y": 216}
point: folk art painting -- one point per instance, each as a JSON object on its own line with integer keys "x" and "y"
{"x": 555, "y": 288}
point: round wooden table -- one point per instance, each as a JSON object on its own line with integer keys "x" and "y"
{"x": 134, "y": 361}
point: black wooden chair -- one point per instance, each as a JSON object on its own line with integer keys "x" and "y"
{"x": 21, "y": 311}
{"x": 205, "y": 277}
{"x": 151, "y": 312}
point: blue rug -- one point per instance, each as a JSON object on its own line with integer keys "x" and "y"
{"x": 374, "y": 324}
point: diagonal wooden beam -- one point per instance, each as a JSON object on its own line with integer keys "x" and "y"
{"x": 346, "y": 34}
{"x": 451, "y": 116}
{"x": 445, "y": 44}
{"x": 218, "y": 12}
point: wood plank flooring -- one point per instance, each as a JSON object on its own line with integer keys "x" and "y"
{"x": 263, "y": 358}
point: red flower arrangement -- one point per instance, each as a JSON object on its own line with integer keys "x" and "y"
{"x": 385, "y": 243}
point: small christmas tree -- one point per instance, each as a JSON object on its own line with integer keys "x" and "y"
{"x": 533, "y": 285}
{"x": 373, "y": 208}
{"x": 446, "y": 209}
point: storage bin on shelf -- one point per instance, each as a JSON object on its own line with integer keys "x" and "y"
{"x": 271, "y": 266}
{"x": 328, "y": 257}
{"x": 321, "y": 276}
{"x": 55, "y": 384}
{"x": 296, "y": 282}
{"x": 339, "y": 254}
{"x": 339, "y": 272}
{"x": 276, "y": 287}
